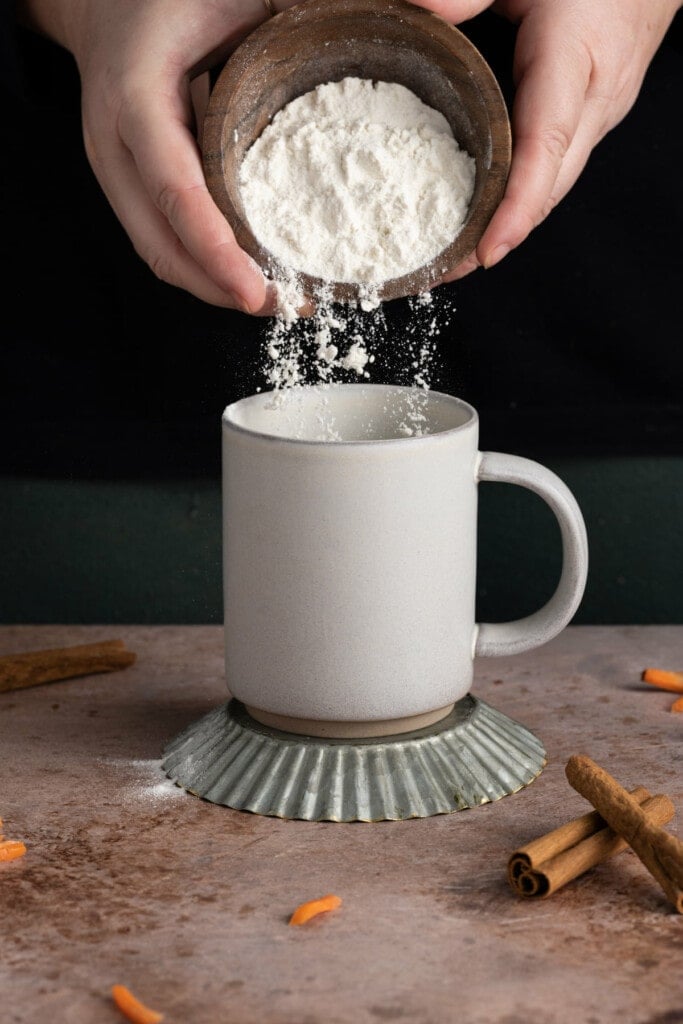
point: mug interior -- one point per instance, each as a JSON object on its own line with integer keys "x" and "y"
{"x": 349, "y": 413}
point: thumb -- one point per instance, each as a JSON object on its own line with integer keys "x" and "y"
{"x": 454, "y": 11}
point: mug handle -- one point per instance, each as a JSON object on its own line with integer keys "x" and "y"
{"x": 496, "y": 638}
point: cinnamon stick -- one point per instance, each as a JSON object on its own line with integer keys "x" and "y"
{"x": 544, "y": 865}
{"x": 33, "y": 668}
{"x": 660, "y": 852}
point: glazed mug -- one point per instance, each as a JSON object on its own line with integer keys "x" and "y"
{"x": 349, "y": 548}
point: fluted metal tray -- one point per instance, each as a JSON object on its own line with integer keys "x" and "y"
{"x": 473, "y": 756}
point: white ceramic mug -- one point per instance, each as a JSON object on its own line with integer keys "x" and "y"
{"x": 350, "y": 557}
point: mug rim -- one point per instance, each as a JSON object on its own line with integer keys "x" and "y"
{"x": 468, "y": 424}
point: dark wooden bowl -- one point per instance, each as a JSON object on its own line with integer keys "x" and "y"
{"x": 321, "y": 41}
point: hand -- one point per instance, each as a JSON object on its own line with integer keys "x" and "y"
{"x": 140, "y": 66}
{"x": 578, "y": 68}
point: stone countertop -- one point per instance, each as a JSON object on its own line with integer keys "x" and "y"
{"x": 129, "y": 879}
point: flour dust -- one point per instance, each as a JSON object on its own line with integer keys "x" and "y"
{"x": 353, "y": 343}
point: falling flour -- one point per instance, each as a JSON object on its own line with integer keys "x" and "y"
{"x": 357, "y": 182}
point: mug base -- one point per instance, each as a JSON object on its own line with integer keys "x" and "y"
{"x": 349, "y": 730}
{"x": 473, "y": 756}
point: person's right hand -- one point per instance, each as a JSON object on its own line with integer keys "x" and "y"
{"x": 137, "y": 62}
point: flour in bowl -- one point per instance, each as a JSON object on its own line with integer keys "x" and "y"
{"x": 356, "y": 181}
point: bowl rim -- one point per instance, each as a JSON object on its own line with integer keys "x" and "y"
{"x": 237, "y": 67}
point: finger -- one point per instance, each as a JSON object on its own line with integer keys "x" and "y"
{"x": 235, "y": 20}
{"x": 169, "y": 165}
{"x": 469, "y": 264}
{"x": 454, "y": 11}
{"x": 548, "y": 106}
{"x": 591, "y": 130}
{"x": 152, "y": 236}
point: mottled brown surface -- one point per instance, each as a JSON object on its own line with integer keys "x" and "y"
{"x": 129, "y": 879}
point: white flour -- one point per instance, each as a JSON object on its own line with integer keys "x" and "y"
{"x": 149, "y": 785}
{"x": 347, "y": 343}
{"x": 356, "y": 181}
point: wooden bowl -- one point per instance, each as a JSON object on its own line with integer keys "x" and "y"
{"x": 321, "y": 41}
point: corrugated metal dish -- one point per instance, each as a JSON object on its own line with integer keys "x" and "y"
{"x": 472, "y": 757}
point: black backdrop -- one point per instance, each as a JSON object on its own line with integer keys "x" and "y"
{"x": 573, "y": 345}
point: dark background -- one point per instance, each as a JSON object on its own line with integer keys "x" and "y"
{"x": 112, "y": 383}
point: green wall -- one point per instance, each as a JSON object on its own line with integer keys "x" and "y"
{"x": 150, "y": 552}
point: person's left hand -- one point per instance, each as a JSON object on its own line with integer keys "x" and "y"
{"x": 578, "y": 69}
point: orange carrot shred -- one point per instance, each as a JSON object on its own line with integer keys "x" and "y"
{"x": 132, "y": 1008}
{"x": 672, "y": 681}
{"x": 677, "y": 705}
{"x": 312, "y": 908}
{"x": 10, "y": 849}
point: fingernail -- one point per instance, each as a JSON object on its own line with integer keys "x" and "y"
{"x": 496, "y": 256}
{"x": 269, "y": 306}
{"x": 238, "y": 302}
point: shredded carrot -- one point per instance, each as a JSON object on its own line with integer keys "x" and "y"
{"x": 132, "y": 1008}
{"x": 677, "y": 705}
{"x": 306, "y": 911}
{"x": 664, "y": 680}
{"x": 10, "y": 849}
